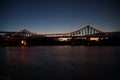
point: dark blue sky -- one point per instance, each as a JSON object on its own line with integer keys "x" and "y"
{"x": 51, "y": 16}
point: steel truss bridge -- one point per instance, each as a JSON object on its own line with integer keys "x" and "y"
{"x": 87, "y": 31}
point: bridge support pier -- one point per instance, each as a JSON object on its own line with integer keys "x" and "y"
{"x": 88, "y": 38}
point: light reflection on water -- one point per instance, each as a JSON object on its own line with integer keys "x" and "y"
{"x": 59, "y": 62}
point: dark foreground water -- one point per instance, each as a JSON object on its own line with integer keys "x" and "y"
{"x": 60, "y": 63}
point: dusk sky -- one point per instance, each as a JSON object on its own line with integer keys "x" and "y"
{"x": 52, "y": 16}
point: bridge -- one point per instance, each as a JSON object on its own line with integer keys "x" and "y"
{"x": 87, "y": 31}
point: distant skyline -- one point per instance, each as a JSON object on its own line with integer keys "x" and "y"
{"x": 52, "y": 16}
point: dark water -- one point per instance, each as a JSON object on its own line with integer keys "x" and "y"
{"x": 60, "y": 63}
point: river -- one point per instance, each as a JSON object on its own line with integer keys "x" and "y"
{"x": 60, "y": 63}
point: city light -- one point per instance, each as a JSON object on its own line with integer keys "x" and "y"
{"x": 64, "y": 39}
{"x": 23, "y": 42}
{"x": 94, "y": 39}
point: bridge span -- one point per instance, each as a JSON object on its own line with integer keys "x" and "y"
{"x": 88, "y": 33}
